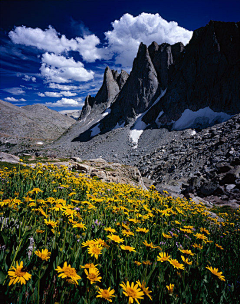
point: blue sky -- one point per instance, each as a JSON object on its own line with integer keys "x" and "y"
{"x": 55, "y": 52}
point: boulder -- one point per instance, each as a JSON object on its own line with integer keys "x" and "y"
{"x": 9, "y": 158}
{"x": 228, "y": 178}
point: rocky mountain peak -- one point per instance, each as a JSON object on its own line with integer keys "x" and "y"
{"x": 86, "y": 109}
{"x": 163, "y": 56}
{"x": 176, "y": 86}
{"x": 140, "y": 88}
{"x": 122, "y": 78}
{"x": 204, "y": 78}
{"x": 115, "y": 74}
{"x": 105, "y": 96}
{"x": 31, "y": 124}
{"x": 109, "y": 88}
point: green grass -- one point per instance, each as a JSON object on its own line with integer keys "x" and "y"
{"x": 35, "y": 200}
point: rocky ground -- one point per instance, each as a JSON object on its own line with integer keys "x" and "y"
{"x": 204, "y": 164}
{"x": 94, "y": 168}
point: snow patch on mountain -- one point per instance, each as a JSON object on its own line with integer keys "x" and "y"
{"x": 106, "y": 112}
{"x": 135, "y": 133}
{"x": 200, "y": 118}
{"x": 140, "y": 125}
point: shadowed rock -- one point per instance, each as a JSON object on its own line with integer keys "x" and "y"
{"x": 207, "y": 74}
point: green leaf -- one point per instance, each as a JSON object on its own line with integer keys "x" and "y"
{"x": 2, "y": 277}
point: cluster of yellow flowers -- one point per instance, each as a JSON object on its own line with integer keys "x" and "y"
{"x": 139, "y": 226}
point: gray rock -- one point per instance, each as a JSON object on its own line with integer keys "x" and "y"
{"x": 230, "y": 187}
{"x": 76, "y": 159}
{"x": 9, "y": 158}
{"x": 122, "y": 78}
{"x": 31, "y": 125}
{"x": 208, "y": 188}
{"x": 206, "y": 74}
{"x": 104, "y": 97}
{"x": 86, "y": 109}
{"x": 228, "y": 178}
{"x": 223, "y": 167}
{"x": 163, "y": 56}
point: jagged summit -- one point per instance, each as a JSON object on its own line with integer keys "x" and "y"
{"x": 86, "y": 109}
{"x": 163, "y": 56}
{"x": 108, "y": 90}
{"x": 122, "y": 78}
{"x": 207, "y": 75}
{"x": 176, "y": 86}
{"x": 112, "y": 84}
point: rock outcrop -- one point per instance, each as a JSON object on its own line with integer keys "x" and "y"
{"x": 112, "y": 84}
{"x": 9, "y": 158}
{"x": 122, "y": 78}
{"x": 163, "y": 57}
{"x": 108, "y": 90}
{"x": 139, "y": 91}
{"x": 86, "y": 109}
{"x": 110, "y": 172}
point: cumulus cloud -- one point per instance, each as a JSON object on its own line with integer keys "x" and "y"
{"x": 56, "y": 68}
{"x": 14, "y": 99}
{"x": 49, "y": 40}
{"x": 15, "y": 91}
{"x": 88, "y": 50}
{"x": 130, "y": 31}
{"x": 120, "y": 46}
{"x": 57, "y": 94}
{"x": 29, "y": 78}
{"x": 66, "y": 102}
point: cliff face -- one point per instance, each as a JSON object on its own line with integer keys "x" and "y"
{"x": 172, "y": 84}
{"x": 163, "y": 57}
{"x": 207, "y": 74}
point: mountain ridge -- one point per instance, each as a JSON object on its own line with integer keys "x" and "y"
{"x": 31, "y": 123}
{"x": 201, "y": 76}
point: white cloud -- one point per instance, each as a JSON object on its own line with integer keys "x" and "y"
{"x": 66, "y": 102}
{"x": 68, "y": 94}
{"x": 62, "y": 86}
{"x": 52, "y": 94}
{"x": 29, "y": 78}
{"x": 11, "y": 99}
{"x": 121, "y": 45}
{"x": 61, "y": 69}
{"x": 57, "y": 94}
{"x": 78, "y": 99}
{"x": 41, "y": 94}
{"x": 14, "y": 99}
{"x": 15, "y": 91}
{"x": 48, "y": 40}
{"x": 87, "y": 48}
{"x": 129, "y": 31}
